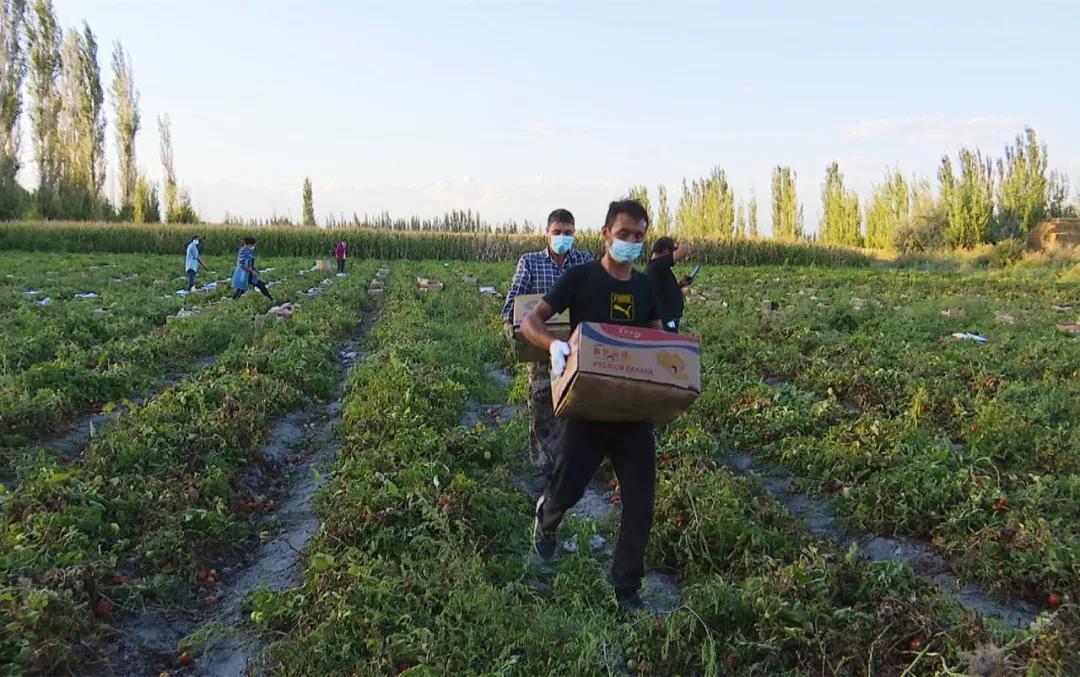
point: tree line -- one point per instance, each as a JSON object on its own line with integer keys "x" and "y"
{"x": 54, "y": 77}
{"x": 978, "y": 200}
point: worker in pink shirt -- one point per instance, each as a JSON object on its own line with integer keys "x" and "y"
{"x": 339, "y": 254}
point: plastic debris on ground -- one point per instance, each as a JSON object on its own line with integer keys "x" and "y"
{"x": 86, "y": 295}
{"x": 210, "y": 286}
{"x": 1062, "y": 309}
{"x": 44, "y": 302}
{"x": 182, "y": 292}
{"x": 489, "y": 290}
{"x": 968, "y": 336}
{"x": 284, "y": 311}
{"x": 101, "y": 311}
{"x": 1069, "y": 327}
{"x": 32, "y": 292}
{"x": 342, "y": 275}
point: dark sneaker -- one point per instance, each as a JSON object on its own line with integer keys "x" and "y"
{"x": 543, "y": 543}
{"x": 630, "y": 601}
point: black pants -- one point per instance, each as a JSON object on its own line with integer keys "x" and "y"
{"x": 672, "y": 325}
{"x": 632, "y": 451}
{"x": 260, "y": 285}
{"x": 341, "y": 265}
{"x": 190, "y": 278}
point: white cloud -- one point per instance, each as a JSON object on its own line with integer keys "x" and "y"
{"x": 937, "y": 129}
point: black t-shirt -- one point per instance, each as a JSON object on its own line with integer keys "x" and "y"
{"x": 668, "y": 292}
{"x": 594, "y": 296}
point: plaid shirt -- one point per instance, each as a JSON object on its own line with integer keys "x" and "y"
{"x": 536, "y": 274}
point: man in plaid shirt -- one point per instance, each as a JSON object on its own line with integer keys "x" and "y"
{"x": 536, "y": 274}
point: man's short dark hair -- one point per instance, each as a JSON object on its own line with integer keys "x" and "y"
{"x": 249, "y": 240}
{"x": 664, "y": 244}
{"x": 631, "y": 208}
{"x": 560, "y": 216}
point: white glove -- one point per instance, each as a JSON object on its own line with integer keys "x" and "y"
{"x": 559, "y": 350}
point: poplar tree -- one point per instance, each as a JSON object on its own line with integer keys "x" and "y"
{"x": 840, "y": 218}
{"x": 751, "y": 216}
{"x": 82, "y": 123}
{"x": 309, "y": 207}
{"x": 125, "y": 101}
{"x": 146, "y": 208}
{"x": 740, "y": 220}
{"x": 44, "y": 38}
{"x": 707, "y": 207}
{"x": 12, "y": 74}
{"x": 787, "y": 213}
{"x": 1023, "y": 189}
{"x": 641, "y": 194}
{"x": 889, "y": 208}
{"x": 967, "y": 199}
{"x": 663, "y": 213}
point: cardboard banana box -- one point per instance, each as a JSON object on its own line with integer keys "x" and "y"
{"x": 559, "y": 326}
{"x": 621, "y": 373}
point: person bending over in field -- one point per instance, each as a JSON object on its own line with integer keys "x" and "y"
{"x": 665, "y": 254}
{"x": 247, "y": 273}
{"x": 608, "y": 290}
{"x": 192, "y": 262}
{"x": 536, "y": 273}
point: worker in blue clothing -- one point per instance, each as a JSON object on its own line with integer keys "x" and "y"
{"x": 192, "y": 262}
{"x": 536, "y": 274}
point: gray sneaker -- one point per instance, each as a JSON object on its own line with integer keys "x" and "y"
{"x": 543, "y": 542}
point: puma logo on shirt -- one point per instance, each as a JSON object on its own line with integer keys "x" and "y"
{"x": 622, "y": 307}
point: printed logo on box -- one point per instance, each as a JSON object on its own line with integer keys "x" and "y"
{"x": 674, "y": 364}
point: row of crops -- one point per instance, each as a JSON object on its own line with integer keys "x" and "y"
{"x": 849, "y": 379}
{"x": 161, "y": 488}
{"x": 383, "y": 244}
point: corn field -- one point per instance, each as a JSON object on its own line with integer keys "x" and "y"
{"x": 369, "y": 243}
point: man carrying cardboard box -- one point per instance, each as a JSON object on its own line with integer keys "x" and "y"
{"x": 608, "y": 291}
{"x": 536, "y": 273}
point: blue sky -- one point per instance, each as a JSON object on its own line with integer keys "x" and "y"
{"x": 513, "y": 109}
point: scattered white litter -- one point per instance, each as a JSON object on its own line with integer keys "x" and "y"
{"x": 182, "y": 292}
{"x": 32, "y": 292}
{"x": 210, "y": 286}
{"x": 968, "y": 336}
{"x": 488, "y": 290}
{"x": 342, "y": 275}
{"x": 327, "y": 282}
{"x": 86, "y": 295}
{"x": 43, "y": 302}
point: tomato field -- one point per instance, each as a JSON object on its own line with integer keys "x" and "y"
{"x": 346, "y": 491}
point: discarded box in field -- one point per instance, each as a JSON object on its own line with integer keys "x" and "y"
{"x": 559, "y": 326}
{"x": 621, "y": 373}
{"x": 325, "y": 265}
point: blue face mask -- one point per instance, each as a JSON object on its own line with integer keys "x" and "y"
{"x": 560, "y": 244}
{"x": 625, "y": 252}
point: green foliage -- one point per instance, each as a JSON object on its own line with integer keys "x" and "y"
{"x": 840, "y": 220}
{"x": 751, "y": 217}
{"x": 125, "y": 101}
{"x": 663, "y": 212}
{"x": 707, "y": 207}
{"x": 44, "y": 37}
{"x": 1023, "y": 189}
{"x": 12, "y": 73}
{"x": 146, "y": 208}
{"x": 787, "y": 213}
{"x": 889, "y": 210}
{"x": 968, "y": 199}
{"x": 309, "y": 208}
{"x": 641, "y": 194}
